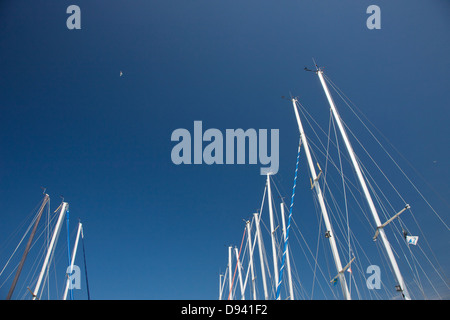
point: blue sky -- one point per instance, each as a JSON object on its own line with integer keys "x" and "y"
{"x": 155, "y": 230}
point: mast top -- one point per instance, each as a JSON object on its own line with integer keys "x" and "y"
{"x": 318, "y": 69}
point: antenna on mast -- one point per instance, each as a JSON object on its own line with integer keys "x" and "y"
{"x": 315, "y": 65}
{"x": 62, "y": 201}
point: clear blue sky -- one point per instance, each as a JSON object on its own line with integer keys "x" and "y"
{"x": 155, "y": 230}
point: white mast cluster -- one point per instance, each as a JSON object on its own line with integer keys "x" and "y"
{"x": 49, "y": 248}
{"x": 330, "y": 235}
{"x": 367, "y": 194}
{"x": 236, "y": 265}
{"x": 64, "y": 208}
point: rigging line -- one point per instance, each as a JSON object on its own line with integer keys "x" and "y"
{"x": 349, "y": 184}
{"x": 445, "y": 281}
{"x": 289, "y": 223}
{"x": 361, "y": 164}
{"x": 325, "y": 247}
{"x": 55, "y": 256}
{"x": 17, "y": 247}
{"x": 307, "y": 115}
{"x": 299, "y": 290}
{"x": 326, "y": 186}
{"x": 68, "y": 250}
{"x": 328, "y": 153}
{"x": 237, "y": 262}
{"x": 338, "y": 91}
{"x": 266, "y": 263}
{"x": 224, "y": 281}
{"x": 33, "y": 269}
{"x": 432, "y": 252}
{"x": 345, "y": 193}
{"x": 32, "y": 214}
{"x": 415, "y": 262}
{"x": 27, "y": 248}
{"x": 85, "y": 265}
{"x": 239, "y": 254}
{"x": 441, "y": 276}
{"x": 376, "y": 164}
{"x": 302, "y": 289}
{"x": 252, "y": 250}
{"x": 404, "y": 174}
{"x": 35, "y": 241}
{"x": 316, "y": 264}
{"x": 304, "y": 113}
{"x": 387, "y": 270}
{"x": 23, "y": 237}
{"x": 47, "y": 242}
{"x": 262, "y": 203}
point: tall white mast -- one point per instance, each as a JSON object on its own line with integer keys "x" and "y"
{"x": 272, "y": 230}
{"x": 220, "y": 286}
{"x": 261, "y": 258}
{"x": 250, "y": 249}
{"x": 288, "y": 262}
{"x": 72, "y": 260}
{"x": 230, "y": 267}
{"x": 330, "y": 234}
{"x": 361, "y": 179}
{"x": 238, "y": 263}
{"x": 64, "y": 208}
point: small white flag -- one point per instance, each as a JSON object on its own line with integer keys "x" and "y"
{"x": 412, "y": 239}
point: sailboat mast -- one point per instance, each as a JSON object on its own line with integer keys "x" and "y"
{"x": 64, "y": 207}
{"x": 272, "y": 230}
{"x": 261, "y": 258}
{"x": 288, "y": 262}
{"x": 27, "y": 248}
{"x": 330, "y": 234}
{"x": 362, "y": 181}
{"x": 238, "y": 266}
{"x": 250, "y": 248}
{"x": 220, "y": 286}
{"x": 72, "y": 260}
{"x": 230, "y": 272}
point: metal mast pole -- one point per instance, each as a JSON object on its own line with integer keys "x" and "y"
{"x": 220, "y": 287}
{"x": 27, "y": 248}
{"x": 362, "y": 181}
{"x": 329, "y": 234}
{"x": 72, "y": 260}
{"x": 272, "y": 231}
{"x": 230, "y": 280}
{"x": 288, "y": 262}
{"x": 250, "y": 248}
{"x": 261, "y": 258}
{"x": 68, "y": 248}
{"x": 85, "y": 265}
{"x": 239, "y": 273}
{"x": 50, "y": 248}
